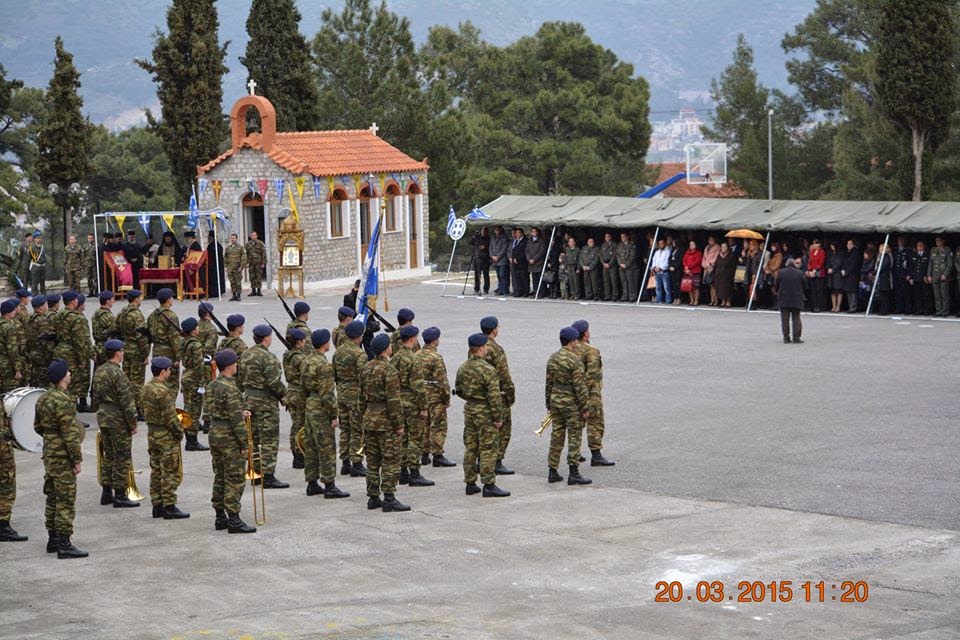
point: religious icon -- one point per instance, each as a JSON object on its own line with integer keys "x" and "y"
{"x": 291, "y": 256}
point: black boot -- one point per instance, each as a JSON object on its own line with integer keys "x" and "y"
{"x": 374, "y": 502}
{"x": 158, "y": 511}
{"x": 582, "y": 459}
{"x": 575, "y": 477}
{"x": 236, "y": 525}
{"x": 404, "y": 476}
{"x": 346, "y": 469}
{"x": 358, "y": 470}
{"x": 331, "y": 490}
{"x": 597, "y": 460}
{"x": 205, "y": 427}
{"x": 298, "y": 460}
{"x": 171, "y": 512}
{"x": 493, "y": 491}
{"x": 440, "y": 461}
{"x": 424, "y": 459}
{"x": 53, "y": 541}
{"x": 195, "y": 445}
{"x": 106, "y": 496}
{"x": 220, "y": 522}
{"x": 554, "y": 476}
{"x": 314, "y": 489}
{"x": 472, "y": 488}
{"x": 66, "y": 550}
{"x": 390, "y": 503}
{"x": 120, "y": 500}
{"x": 417, "y": 480}
{"x": 82, "y": 406}
{"x": 501, "y": 470}
{"x": 270, "y": 482}
{"x": 9, "y": 534}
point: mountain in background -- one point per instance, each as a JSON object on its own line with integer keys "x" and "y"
{"x": 678, "y": 45}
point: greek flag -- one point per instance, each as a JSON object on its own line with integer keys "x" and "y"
{"x": 370, "y": 277}
{"x": 477, "y": 214}
{"x": 451, "y": 218}
{"x": 278, "y": 185}
{"x": 316, "y": 187}
{"x": 194, "y": 211}
{"x": 203, "y": 183}
{"x": 144, "y": 221}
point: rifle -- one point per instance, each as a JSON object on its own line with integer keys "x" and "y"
{"x": 383, "y": 321}
{"x": 285, "y": 306}
{"x": 223, "y": 330}
{"x": 276, "y": 331}
{"x": 170, "y": 322}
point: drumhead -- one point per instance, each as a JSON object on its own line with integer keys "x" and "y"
{"x": 21, "y": 407}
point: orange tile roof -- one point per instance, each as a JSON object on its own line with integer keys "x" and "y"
{"x": 328, "y": 153}
{"x": 683, "y": 190}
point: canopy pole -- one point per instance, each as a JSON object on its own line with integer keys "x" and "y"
{"x": 96, "y": 254}
{"x": 536, "y": 294}
{"x": 876, "y": 278}
{"x": 453, "y": 252}
{"x": 646, "y": 270}
{"x": 756, "y": 280}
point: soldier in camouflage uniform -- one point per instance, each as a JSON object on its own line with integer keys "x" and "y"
{"x": 382, "y": 414}
{"x": 567, "y": 400}
{"x": 434, "y": 372}
{"x": 196, "y": 376}
{"x": 208, "y": 334}
{"x": 165, "y": 334}
{"x": 11, "y": 365}
{"x": 136, "y": 344}
{"x": 413, "y": 395}
{"x": 72, "y": 264}
{"x": 223, "y": 402}
{"x": 496, "y": 356}
{"x": 320, "y": 437}
{"x": 89, "y": 253}
{"x": 590, "y": 266}
{"x": 234, "y": 261}
{"x": 301, "y": 312}
{"x": 939, "y": 273}
{"x": 629, "y": 271}
{"x": 593, "y": 368}
{"x": 113, "y": 399}
{"x": 75, "y": 347}
{"x": 262, "y": 389}
{"x": 571, "y": 261}
{"x": 40, "y": 342}
{"x": 478, "y": 384}
{"x": 233, "y": 341}
{"x": 20, "y": 319}
{"x": 404, "y": 317}
{"x": 104, "y": 326}
{"x": 345, "y": 316}
{"x": 296, "y": 400}
{"x": 8, "y": 480}
{"x": 163, "y": 441}
{"x": 256, "y": 263}
{"x": 56, "y": 420}
{"x": 348, "y": 362}
{"x": 611, "y": 270}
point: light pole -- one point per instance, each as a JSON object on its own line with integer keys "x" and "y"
{"x": 61, "y": 197}
{"x": 770, "y": 155}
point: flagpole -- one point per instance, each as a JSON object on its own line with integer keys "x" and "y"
{"x": 216, "y": 259}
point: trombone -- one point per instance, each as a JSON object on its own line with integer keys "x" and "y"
{"x": 133, "y": 493}
{"x": 255, "y": 474}
{"x": 544, "y": 424}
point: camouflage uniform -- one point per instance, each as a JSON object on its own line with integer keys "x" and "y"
{"x": 348, "y": 362}
{"x": 166, "y": 342}
{"x": 223, "y": 402}
{"x": 136, "y": 349}
{"x": 8, "y": 467}
{"x": 10, "y": 361}
{"x": 75, "y": 347}
{"x": 104, "y": 326}
{"x": 56, "y": 420}
{"x": 478, "y": 384}
{"x": 413, "y": 395}
{"x": 41, "y": 339}
{"x": 630, "y": 276}
{"x": 117, "y": 416}
{"x": 382, "y": 412}
{"x": 196, "y": 376}
{"x": 339, "y": 335}
{"x": 567, "y": 397}
{"x": 300, "y": 324}
{"x": 259, "y": 372}
{"x": 235, "y": 343}
{"x": 208, "y": 336}
{"x": 497, "y": 357}
{"x": 571, "y": 260}
{"x": 234, "y": 261}
{"x": 590, "y": 265}
{"x": 296, "y": 399}
{"x": 21, "y": 318}
{"x": 611, "y": 275}
{"x": 395, "y": 342}
{"x": 256, "y": 261}
{"x": 72, "y": 266}
{"x": 593, "y": 368}
{"x": 320, "y": 441}
{"x": 163, "y": 442}
{"x": 89, "y": 252}
{"x": 438, "y": 397}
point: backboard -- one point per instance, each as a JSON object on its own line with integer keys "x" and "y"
{"x": 706, "y": 163}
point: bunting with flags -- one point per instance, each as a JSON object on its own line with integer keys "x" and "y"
{"x": 262, "y": 185}
{"x": 316, "y": 187}
{"x": 120, "y": 219}
{"x": 278, "y": 185}
{"x": 144, "y": 221}
{"x": 330, "y": 185}
{"x": 217, "y": 187}
{"x": 300, "y": 182}
{"x": 168, "y": 220}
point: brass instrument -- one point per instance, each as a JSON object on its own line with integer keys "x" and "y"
{"x": 133, "y": 493}
{"x": 185, "y": 423}
{"x": 300, "y": 440}
{"x": 362, "y": 443}
{"x": 544, "y": 424}
{"x": 255, "y": 474}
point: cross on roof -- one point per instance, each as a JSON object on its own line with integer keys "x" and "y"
{"x": 374, "y": 128}
{"x": 252, "y": 86}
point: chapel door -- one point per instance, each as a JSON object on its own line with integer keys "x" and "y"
{"x": 414, "y": 228}
{"x": 254, "y": 219}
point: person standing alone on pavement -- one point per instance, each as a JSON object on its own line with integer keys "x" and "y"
{"x": 790, "y": 300}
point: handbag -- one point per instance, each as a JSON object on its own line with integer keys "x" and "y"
{"x": 686, "y": 285}
{"x": 652, "y": 281}
{"x": 548, "y": 277}
{"x": 708, "y": 277}
{"x": 740, "y": 275}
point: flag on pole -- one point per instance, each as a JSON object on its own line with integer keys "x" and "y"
{"x": 144, "y": 221}
{"x": 316, "y": 187}
{"x": 278, "y": 185}
{"x": 194, "y": 211}
{"x": 477, "y": 214}
{"x": 451, "y": 218}
{"x": 293, "y": 205}
{"x": 370, "y": 276}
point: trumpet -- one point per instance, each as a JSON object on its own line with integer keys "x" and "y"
{"x": 133, "y": 493}
{"x": 546, "y": 422}
{"x": 185, "y": 423}
{"x": 255, "y": 474}
{"x": 300, "y": 440}
{"x": 362, "y": 443}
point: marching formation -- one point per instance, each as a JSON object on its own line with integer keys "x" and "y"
{"x": 388, "y": 394}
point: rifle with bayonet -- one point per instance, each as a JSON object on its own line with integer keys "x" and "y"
{"x": 383, "y": 321}
{"x": 279, "y": 335}
{"x": 285, "y": 306}
{"x": 223, "y": 330}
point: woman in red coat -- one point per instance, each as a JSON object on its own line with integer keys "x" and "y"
{"x": 817, "y": 274}
{"x": 692, "y": 268}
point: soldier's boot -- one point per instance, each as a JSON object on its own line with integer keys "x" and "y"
{"x": 66, "y": 550}
{"x": 346, "y": 468}
{"x": 141, "y": 419}
{"x": 205, "y": 427}
{"x": 582, "y": 459}
{"x": 424, "y": 459}
{"x": 220, "y": 522}
{"x": 440, "y": 461}
{"x": 53, "y": 541}
{"x": 158, "y": 511}
{"x": 9, "y": 534}
{"x": 298, "y": 461}
{"x": 82, "y": 406}
{"x": 357, "y": 470}
{"x": 501, "y": 470}
{"x": 236, "y": 525}
{"x": 390, "y": 503}
{"x": 554, "y": 476}
{"x": 575, "y": 477}
{"x": 472, "y": 488}
{"x": 106, "y": 496}
{"x": 120, "y": 500}
{"x": 171, "y": 512}
{"x": 195, "y": 445}
{"x": 597, "y": 459}
{"x": 417, "y": 480}
{"x": 331, "y": 490}
{"x": 270, "y": 482}
{"x": 374, "y": 502}
{"x": 313, "y": 488}
{"x": 404, "y": 476}
{"x": 493, "y": 491}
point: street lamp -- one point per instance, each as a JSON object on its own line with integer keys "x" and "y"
{"x": 770, "y": 155}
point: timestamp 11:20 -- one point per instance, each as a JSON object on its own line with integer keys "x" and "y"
{"x": 759, "y": 591}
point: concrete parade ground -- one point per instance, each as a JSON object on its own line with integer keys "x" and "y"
{"x": 740, "y": 459}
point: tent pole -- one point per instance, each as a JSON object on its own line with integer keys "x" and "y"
{"x": 536, "y": 295}
{"x": 876, "y": 278}
{"x": 646, "y": 270}
{"x": 753, "y": 289}
{"x": 96, "y": 252}
{"x": 453, "y": 252}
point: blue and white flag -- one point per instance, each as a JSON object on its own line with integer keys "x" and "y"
{"x": 477, "y": 214}
{"x": 370, "y": 277}
{"x": 317, "y": 184}
{"x": 221, "y": 215}
{"x": 203, "y": 183}
{"x": 194, "y": 211}
{"x": 451, "y": 218}
{"x": 278, "y": 184}
{"x": 144, "y": 221}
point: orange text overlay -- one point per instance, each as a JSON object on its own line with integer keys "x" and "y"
{"x": 845, "y": 591}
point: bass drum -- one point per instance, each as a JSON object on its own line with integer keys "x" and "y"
{"x": 21, "y": 406}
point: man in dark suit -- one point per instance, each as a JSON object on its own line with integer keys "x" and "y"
{"x": 518, "y": 264}
{"x": 902, "y": 291}
{"x": 134, "y": 255}
{"x": 917, "y": 273}
{"x": 536, "y": 254}
{"x": 790, "y": 300}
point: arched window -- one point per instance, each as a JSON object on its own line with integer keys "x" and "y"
{"x": 391, "y": 214}
{"x": 338, "y": 218}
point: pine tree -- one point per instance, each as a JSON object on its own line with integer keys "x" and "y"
{"x": 187, "y": 67}
{"x": 278, "y": 60}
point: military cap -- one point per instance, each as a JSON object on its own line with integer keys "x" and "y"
{"x": 133, "y": 294}
{"x": 405, "y": 315}
{"x": 38, "y": 301}
{"x": 301, "y": 308}
{"x": 131, "y": 232}
{"x": 225, "y": 358}
{"x": 189, "y": 234}
{"x": 380, "y": 343}
{"x": 236, "y": 320}
{"x": 23, "y": 293}
{"x": 81, "y": 299}
{"x": 57, "y": 370}
{"x": 347, "y": 312}
{"x": 9, "y": 306}
{"x": 354, "y": 330}
{"x": 161, "y": 362}
{"x": 408, "y": 331}
{"x": 489, "y": 323}
{"x": 69, "y": 296}
{"x": 261, "y": 330}
{"x": 108, "y": 235}
{"x": 113, "y": 344}
{"x": 105, "y": 295}
{"x": 568, "y": 334}
{"x": 188, "y": 325}
{"x": 319, "y": 338}
{"x": 53, "y": 298}
{"x": 430, "y": 334}
{"x": 204, "y": 307}
{"x": 477, "y": 340}
{"x": 582, "y": 326}
{"x": 164, "y": 294}
{"x": 37, "y": 234}
{"x": 297, "y": 334}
